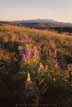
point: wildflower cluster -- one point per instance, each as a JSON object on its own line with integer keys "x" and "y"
{"x": 29, "y": 52}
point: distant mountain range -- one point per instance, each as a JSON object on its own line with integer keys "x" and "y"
{"x": 40, "y": 23}
{"x": 43, "y": 23}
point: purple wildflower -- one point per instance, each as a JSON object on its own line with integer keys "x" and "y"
{"x": 30, "y": 54}
{"x": 21, "y": 51}
{"x": 26, "y": 39}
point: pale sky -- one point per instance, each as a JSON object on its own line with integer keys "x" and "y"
{"x": 60, "y": 10}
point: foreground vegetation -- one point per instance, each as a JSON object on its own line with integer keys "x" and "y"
{"x": 35, "y": 66}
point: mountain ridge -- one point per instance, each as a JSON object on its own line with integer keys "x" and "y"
{"x": 40, "y": 23}
{"x": 50, "y": 22}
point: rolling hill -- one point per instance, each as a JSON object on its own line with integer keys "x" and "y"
{"x": 45, "y": 22}
{"x": 35, "y": 66}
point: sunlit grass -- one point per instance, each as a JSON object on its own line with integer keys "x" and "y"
{"x": 40, "y": 56}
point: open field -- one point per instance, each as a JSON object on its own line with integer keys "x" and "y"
{"x": 35, "y": 66}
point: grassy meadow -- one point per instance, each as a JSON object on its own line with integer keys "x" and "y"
{"x": 35, "y": 66}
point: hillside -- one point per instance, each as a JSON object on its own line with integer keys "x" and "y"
{"x": 35, "y": 64}
{"x": 46, "y": 24}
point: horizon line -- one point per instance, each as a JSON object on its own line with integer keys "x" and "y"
{"x": 11, "y": 20}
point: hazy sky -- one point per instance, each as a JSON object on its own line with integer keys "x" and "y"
{"x": 60, "y": 10}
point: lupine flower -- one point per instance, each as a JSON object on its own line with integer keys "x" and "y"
{"x": 30, "y": 53}
{"x": 21, "y": 51}
{"x": 26, "y": 39}
{"x": 41, "y": 67}
{"x": 28, "y": 77}
{"x": 31, "y": 57}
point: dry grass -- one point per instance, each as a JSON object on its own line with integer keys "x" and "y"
{"x": 6, "y": 56}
